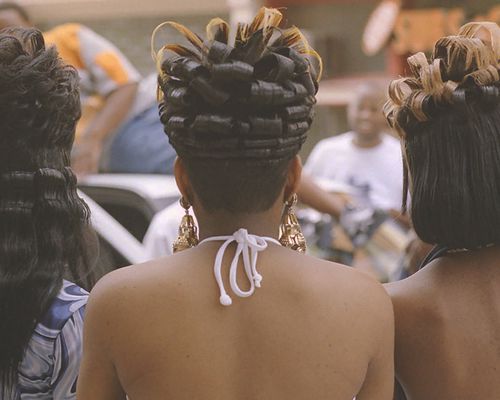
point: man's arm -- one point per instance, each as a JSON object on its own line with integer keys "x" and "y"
{"x": 116, "y": 108}
{"x": 403, "y": 219}
{"x": 98, "y": 378}
{"x": 312, "y": 195}
{"x": 114, "y": 79}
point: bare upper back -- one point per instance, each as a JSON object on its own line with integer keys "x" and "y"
{"x": 310, "y": 332}
{"x": 448, "y": 328}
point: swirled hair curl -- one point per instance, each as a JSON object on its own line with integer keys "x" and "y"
{"x": 447, "y": 113}
{"x": 43, "y": 222}
{"x": 237, "y": 113}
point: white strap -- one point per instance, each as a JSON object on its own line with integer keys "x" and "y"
{"x": 249, "y": 246}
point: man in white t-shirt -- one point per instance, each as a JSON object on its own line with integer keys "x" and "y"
{"x": 368, "y": 162}
{"x": 367, "y": 159}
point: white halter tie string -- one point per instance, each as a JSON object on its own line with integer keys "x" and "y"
{"x": 249, "y": 246}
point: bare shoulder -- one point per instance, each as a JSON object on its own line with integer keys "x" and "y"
{"x": 123, "y": 279}
{"x": 127, "y": 285}
{"x": 117, "y": 302}
{"x": 371, "y": 298}
{"x": 360, "y": 292}
{"x": 411, "y": 293}
{"x": 109, "y": 294}
{"x": 358, "y": 283}
{"x": 361, "y": 307}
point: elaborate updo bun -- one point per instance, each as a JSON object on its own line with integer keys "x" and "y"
{"x": 488, "y": 32}
{"x": 464, "y": 71}
{"x": 447, "y": 113}
{"x": 249, "y": 102}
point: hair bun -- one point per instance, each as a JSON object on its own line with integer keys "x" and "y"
{"x": 464, "y": 70}
{"x": 220, "y": 100}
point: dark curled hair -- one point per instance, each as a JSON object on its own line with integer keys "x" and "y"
{"x": 42, "y": 220}
{"x": 237, "y": 114}
{"x": 448, "y": 115}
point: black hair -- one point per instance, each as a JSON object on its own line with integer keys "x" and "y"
{"x": 7, "y": 5}
{"x": 43, "y": 222}
{"x": 236, "y": 115}
{"x": 448, "y": 115}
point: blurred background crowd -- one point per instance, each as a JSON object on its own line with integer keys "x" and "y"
{"x": 363, "y": 44}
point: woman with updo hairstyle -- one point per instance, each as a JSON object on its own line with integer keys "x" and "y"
{"x": 43, "y": 223}
{"x": 447, "y": 314}
{"x": 238, "y": 312}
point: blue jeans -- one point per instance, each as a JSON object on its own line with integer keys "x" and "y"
{"x": 141, "y": 146}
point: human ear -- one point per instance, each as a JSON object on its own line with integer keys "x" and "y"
{"x": 293, "y": 177}
{"x": 182, "y": 180}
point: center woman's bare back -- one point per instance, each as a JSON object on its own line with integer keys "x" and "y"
{"x": 315, "y": 330}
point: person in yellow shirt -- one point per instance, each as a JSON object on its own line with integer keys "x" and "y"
{"x": 120, "y": 130}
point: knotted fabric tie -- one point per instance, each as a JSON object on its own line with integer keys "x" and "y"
{"x": 249, "y": 247}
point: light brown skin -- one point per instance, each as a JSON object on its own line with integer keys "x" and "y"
{"x": 448, "y": 328}
{"x": 85, "y": 158}
{"x": 115, "y": 110}
{"x": 315, "y": 330}
{"x": 365, "y": 116}
{"x": 315, "y": 197}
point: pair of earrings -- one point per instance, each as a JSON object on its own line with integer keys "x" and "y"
{"x": 290, "y": 234}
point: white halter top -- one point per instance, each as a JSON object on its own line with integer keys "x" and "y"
{"x": 248, "y": 246}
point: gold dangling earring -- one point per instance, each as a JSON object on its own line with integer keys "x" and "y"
{"x": 188, "y": 232}
{"x": 291, "y": 235}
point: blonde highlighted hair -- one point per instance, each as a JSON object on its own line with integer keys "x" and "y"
{"x": 448, "y": 116}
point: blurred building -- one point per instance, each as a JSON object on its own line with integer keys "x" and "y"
{"x": 50, "y": 10}
{"x": 127, "y": 23}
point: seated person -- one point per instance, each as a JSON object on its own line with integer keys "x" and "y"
{"x": 368, "y": 161}
{"x": 44, "y": 231}
{"x": 366, "y": 158}
{"x": 272, "y": 323}
{"x": 448, "y": 116}
{"x": 122, "y": 131}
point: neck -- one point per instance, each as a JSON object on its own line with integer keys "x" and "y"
{"x": 478, "y": 259}
{"x": 224, "y": 224}
{"x": 367, "y": 142}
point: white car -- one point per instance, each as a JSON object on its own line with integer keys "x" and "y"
{"x": 122, "y": 207}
